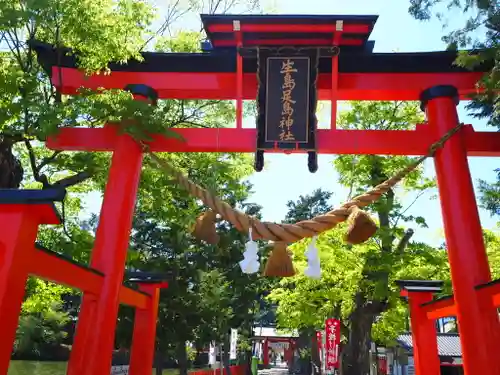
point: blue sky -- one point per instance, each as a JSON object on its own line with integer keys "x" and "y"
{"x": 395, "y": 31}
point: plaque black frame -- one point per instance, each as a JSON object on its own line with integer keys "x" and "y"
{"x": 311, "y": 99}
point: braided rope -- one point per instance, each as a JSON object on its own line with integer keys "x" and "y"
{"x": 302, "y": 229}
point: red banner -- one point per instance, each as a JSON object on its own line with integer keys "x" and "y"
{"x": 382, "y": 365}
{"x": 332, "y": 331}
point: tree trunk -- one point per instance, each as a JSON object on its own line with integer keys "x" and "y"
{"x": 248, "y": 362}
{"x": 227, "y": 344}
{"x": 182, "y": 358}
{"x": 159, "y": 362}
{"x": 356, "y": 355}
{"x": 315, "y": 359}
{"x": 11, "y": 171}
{"x": 249, "y": 353}
{"x": 221, "y": 358}
{"x": 304, "y": 346}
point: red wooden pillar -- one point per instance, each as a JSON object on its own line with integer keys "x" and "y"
{"x": 339, "y": 28}
{"x": 239, "y": 74}
{"x": 95, "y": 332}
{"x": 265, "y": 353}
{"x": 19, "y": 223}
{"x": 83, "y": 331}
{"x": 288, "y": 352}
{"x": 466, "y": 252}
{"x": 143, "y": 339}
{"x": 423, "y": 329}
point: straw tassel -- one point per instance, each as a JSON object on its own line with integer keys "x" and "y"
{"x": 204, "y": 229}
{"x": 361, "y": 226}
{"x": 280, "y": 262}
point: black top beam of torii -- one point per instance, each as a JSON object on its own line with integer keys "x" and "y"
{"x": 264, "y": 31}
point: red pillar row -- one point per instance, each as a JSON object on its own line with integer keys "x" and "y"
{"x": 95, "y": 332}
{"x": 478, "y": 324}
{"x": 20, "y": 224}
{"x": 265, "y": 353}
{"x": 144, "y": 335}
{"x": 94, "y": 340}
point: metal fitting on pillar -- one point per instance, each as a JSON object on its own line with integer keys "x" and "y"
{"x": 138, "y": 89}
{"x": 446, "y": 91}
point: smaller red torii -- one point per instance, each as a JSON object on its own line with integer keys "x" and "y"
{"x": 424, "y": 310}
{"x": 445, "y": 306}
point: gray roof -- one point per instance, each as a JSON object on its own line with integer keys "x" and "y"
{"x": 448, "y": 344}
{"x": 273, "y": 332}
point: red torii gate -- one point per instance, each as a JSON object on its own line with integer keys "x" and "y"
{"x": 270, "y": 338}
{"x": 355, "y": 74}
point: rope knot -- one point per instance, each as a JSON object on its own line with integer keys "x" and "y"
{"x": 439, "y": 144}
{"x": 361, "y": 226}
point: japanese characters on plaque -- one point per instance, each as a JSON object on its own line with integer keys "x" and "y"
{"x": 287, "y": 102}
{"x": 287, "y": 99}
{"x": 332, "y": 332}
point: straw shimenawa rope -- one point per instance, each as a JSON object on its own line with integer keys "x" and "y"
{"x": 289, "y": 233}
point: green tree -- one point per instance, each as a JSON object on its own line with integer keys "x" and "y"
{"x": 357, "y": 283}
{"x": 43, "y": 322}
{"x": 492, "y": 241}
{"x": 31, "y": 107}
{"x": 481, "y": 32}
{"x": 490, "y": 194}
{"x": 309, "y": 206}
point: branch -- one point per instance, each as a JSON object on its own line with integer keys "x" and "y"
{"x": 65, "y": 182}
{"x": 173, "y": 14}
{"x": 394, "y": 112}
{"x": 32, "y": 158}
{"x": 409, "y": 206}
{"x": 14, "y": 46}
{"x": 48, "y": 160}
{"x": 403, "y": 242}
{"x": 190, "y": 123}
{"x": 10, "y": 139}
{"x": 72, "y": 180}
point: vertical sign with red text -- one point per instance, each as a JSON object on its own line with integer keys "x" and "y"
{"x": 332, "y": 332}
